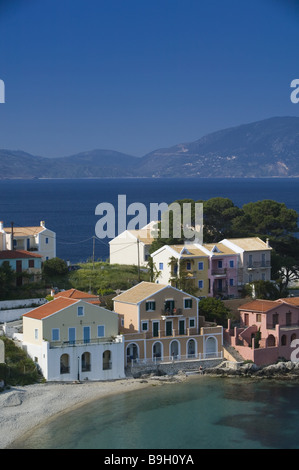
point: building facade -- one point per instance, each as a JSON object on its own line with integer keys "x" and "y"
{"x": 37, "y": 239}
{"x": 267, "y": 330}
{"x": 74, "y": 340}
{"x": 27, "y": 265}
{"x": 161, "y": 323}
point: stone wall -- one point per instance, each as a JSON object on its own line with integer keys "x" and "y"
{"x": 170, "y": 368}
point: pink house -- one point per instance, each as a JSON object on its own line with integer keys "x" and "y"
{"x": 223, "y": 270}
{"x": 271, "y": 324}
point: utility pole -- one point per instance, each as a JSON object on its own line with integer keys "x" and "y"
{"x": 138, "y": 257}
{"x": 93, "y": 243}
{"x": 11, "y": 237}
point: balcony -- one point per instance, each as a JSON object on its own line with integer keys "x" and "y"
{"x": 258, "y": 264}
{"x": 219, "y": 272}
{"x": 171, "y": 312}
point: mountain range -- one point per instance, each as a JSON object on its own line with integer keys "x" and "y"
{"x": 267, "y": 148}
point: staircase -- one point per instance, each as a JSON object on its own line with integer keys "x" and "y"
{"x": 233, "y": 352}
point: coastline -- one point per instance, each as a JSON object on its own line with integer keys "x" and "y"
{"x": 24, "y": 408}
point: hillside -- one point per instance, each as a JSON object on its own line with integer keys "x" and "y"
{"x": 264, "y": 148}
{"x": 268, "y": 148}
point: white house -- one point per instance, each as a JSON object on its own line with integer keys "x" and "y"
{"x": 38, "y": 239}
{"x": 132, "y": 246}
{"x": 74, "y": 340}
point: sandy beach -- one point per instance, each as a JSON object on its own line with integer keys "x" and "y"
{"x": 23, "y": 408}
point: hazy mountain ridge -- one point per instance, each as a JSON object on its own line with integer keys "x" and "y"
{"x": 264, "y": 148}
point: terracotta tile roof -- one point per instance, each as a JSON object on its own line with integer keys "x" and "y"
{"x": 49, "y": 308}
{"x": 140, "y": 292}
{"x": 18, "y": 254}
{"x": 290, "y": 300}
{"x": 75, "y": 294}
{"x": 260, "y": 305}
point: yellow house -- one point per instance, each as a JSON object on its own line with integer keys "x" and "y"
{"x": 183, "y": 266}
{"x": 161, "y": 323}
{"x": 73, "y": 339}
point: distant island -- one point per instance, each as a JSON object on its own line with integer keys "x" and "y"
{"x": 267, "y": 148}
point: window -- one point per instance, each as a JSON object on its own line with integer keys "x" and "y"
{"x": 220, "y": 264}
{"x": 31, "y": 263}
{"x": 188, "y": 266}
{"x": 80, "y": 311}
{"x": 187, "y": 303}
{"x": 161, "y": 266}
{"x": 35, "y": 333}
{"x": 55, "y": 334}
{"x": 231, "y": 263}
{"x": 258, "y": 317}
{"x": 47, "y": 240}
{"x": 200, "y": 284}
{"x": 231, "y": 282}
{"x": 72, "y": 335}
{"x": 144, "y": 326}
{"x": 200, "y": 266}
{"x": 263, "y": 259}
{"x": 150, "y": 306}
{"x": 101, "y": 331}
{"x": 191, "y": 322}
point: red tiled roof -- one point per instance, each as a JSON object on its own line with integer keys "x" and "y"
{"x": 75, "y": 294}
{"x": 49, "y": 308}
{"x": 290, "y": 300}
{"x": 18, "y": 254}
{"x": 260, "y": 305}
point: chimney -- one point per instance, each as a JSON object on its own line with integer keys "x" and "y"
{"x": 267, "y": 243}
{"x": 1, "y": 226}
{"x": 42, "y": 223}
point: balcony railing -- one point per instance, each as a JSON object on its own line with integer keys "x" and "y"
{"x": 94, "y": 341}
{"x": 171, "y": 312}
{"x": 258, "y": 264}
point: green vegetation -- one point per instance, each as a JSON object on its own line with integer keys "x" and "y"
{"x": 18, "y": 369}
{"x": 266, "y": 219}
{"x": 214, "y": 310}
{"x": 103, "y": 278}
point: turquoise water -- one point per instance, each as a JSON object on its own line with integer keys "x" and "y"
{"x": 201, "y": 413}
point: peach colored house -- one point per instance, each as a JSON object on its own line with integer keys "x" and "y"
{"x": 277, "y": 324}
{"x": 161, "y": 323}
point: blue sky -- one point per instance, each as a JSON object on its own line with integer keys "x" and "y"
{"x": 137, "y": 75}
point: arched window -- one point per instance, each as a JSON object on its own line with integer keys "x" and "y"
{"x": 283, "y": 340}
{"x": 107, "y": 363}
{"x": 132, "y": 352}
{"x": 270, "y": 341}
{"x": 174, "y": 349}
{"x": 211, "y": 346}
{"x": 64, "y": 364}
{"x": 85, "y": 362}
{"x": 293, "y": 337}
{"x": 191, "y": 348}
{"x": 157, "y": 351}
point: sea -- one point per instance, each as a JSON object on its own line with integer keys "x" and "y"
{"x": 200, "y": 413}
{"x": 68, "y": 206}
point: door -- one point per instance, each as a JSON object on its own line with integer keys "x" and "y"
{"x": 168, "y": 328}
{"x": 181, "y": 327}
{"x": 86, "y": 334}
{"x": 155, "y": 329}
{"x": 169, "y": 306}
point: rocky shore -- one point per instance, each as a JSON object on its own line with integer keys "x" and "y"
{"x": 282, "y": 370}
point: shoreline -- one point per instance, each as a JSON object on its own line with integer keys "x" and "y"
{"x": 25, "y": 408}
